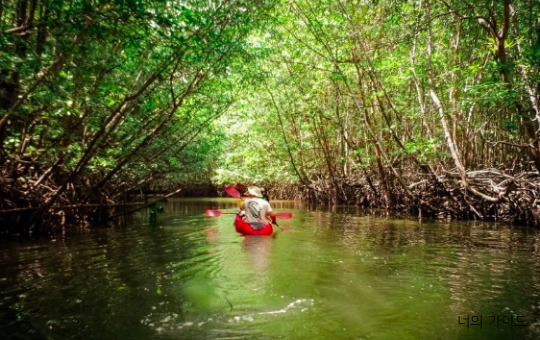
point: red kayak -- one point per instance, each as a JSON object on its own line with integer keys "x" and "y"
{"x": 245, "y": 229}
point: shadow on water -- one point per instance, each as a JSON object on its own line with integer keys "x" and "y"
{"x": 341, "y": 274}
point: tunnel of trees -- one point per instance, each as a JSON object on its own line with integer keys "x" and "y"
{"x": 422, "y": 106}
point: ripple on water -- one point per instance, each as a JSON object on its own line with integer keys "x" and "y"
{"x": 220, "y": 326}
{"x": 338, "y": 276}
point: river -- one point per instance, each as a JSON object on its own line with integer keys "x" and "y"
{"x": 341, "y": 274}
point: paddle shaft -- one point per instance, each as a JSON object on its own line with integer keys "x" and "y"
{"x": 216, "y": 213}
{"x": 277, "y": 225}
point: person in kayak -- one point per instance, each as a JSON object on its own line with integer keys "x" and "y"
{"x": 255, "y": 209}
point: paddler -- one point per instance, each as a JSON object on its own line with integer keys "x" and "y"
{"x": 256, "y": 211}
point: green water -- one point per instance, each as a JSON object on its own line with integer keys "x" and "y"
{"x": 331, "y": 275}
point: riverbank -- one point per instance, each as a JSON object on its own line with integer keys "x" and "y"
{"x": 40, "y": 200}
{"x": 37, "y": 203}
{"x": 488, "y": 194}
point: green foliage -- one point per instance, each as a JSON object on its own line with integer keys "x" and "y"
{"x": 260, "y": 90}
{"x": 129, "y": 90}
{"x": 342, "y": 76}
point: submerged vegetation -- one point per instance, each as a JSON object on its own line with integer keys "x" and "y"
{"x": 424, "y": 106}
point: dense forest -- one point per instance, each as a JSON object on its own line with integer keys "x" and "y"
{"x": 422, "y": 106}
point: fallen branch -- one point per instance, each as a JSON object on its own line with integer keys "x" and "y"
{"x": 144, "y": 206}
{"x": 71, "y": 206}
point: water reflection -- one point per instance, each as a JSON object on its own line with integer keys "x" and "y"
{"x": 257, "y": 251}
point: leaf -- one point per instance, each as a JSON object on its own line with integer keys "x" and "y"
{"x": 339, "y": 76}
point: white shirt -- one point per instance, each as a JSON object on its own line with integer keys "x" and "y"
{"x": 256, "y": 209}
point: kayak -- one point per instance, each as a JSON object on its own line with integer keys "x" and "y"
{"x": 245, "y": 228}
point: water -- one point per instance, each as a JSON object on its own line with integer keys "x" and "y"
{"x": 330, "y": 275}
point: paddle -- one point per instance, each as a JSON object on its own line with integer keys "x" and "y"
{"x": 231, "y": 191}
{"x": 217, "y": 213}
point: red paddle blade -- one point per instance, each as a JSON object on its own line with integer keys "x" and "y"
{"x": 240, "y": 186}
{"x": 232, "y": 192}
{"x": 213, "y": 213}
{"x": 284, "y": 215}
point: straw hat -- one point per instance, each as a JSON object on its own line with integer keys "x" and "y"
{"x": 255, "y": 191}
